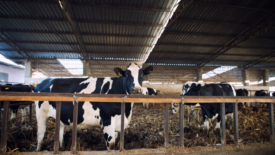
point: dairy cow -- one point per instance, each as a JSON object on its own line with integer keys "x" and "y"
{"x": 148, "y": 91}
{"x": 210, "y": 111}
{"x": 105, "y": 115}
{"x": 243, "y": 92}
{"x": 14, "y": 108}
{"x": 262, "y": 93}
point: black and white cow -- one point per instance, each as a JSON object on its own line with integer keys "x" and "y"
{"x": 14, "y": 109}
{"x": 212, "y": 110}
{"x": 148, "y": 91}
{"x": 105, "y": 115}
{"x": 243, "y": 92}
{"x": 262, "y": 93}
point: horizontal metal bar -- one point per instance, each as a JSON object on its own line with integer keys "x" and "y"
{"x": 13, "y": 96}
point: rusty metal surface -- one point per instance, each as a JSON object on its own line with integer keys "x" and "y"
{"x": 236, "y": 127}
{"x": 3, "y": 143}
{"x": 182, "y": 124}
{"x": 271, "y": 121}
{"x": 74, "y": 132}
{"x": 166, "y": 126}
{"x": 223, "y": 132}
{"x": 121, "y": 144}
{"x": 57, "y": 127}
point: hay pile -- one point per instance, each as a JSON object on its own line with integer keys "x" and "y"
{"x": 146, "y": 130}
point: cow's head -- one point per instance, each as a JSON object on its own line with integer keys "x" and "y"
{"x": 184, "y": 89}
{"x": 187, "y": 90}
{"x": 134, "y": 75}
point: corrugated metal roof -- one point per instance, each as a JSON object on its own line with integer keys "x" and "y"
{"x": 114, "y": 33}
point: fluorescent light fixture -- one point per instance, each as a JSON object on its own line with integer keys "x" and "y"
{"x": 217, "y": 71}
{"x": 74, "y": 66}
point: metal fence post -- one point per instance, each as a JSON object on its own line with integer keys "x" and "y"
{"x": 121, "y": 143}
{"x": 223, "y": 138}
{"x": 166, "y": 126}
{"x": 57, "y": 127}
{"x": 3, "y": 144}
{"x": 236, "y": 128}
{"x": 182, "y": 124}
{"x": 271, "y": 121}
{"x": 30, "y": 114}
{"x": 74, "y": 134}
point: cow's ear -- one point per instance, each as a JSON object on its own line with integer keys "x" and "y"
{"x": 148, "y": 70}
{"x": 119, "y": 71}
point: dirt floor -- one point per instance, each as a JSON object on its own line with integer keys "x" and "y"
{"x": 146, "y": 130}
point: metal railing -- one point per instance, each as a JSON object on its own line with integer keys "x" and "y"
{"x": 59, "y": 97}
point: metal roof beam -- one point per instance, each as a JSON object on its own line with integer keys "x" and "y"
{"x": 90, "y": 44}
{"x": 198, "y": 54}
{"x": 4, "y": 38}
{"x": 183, "y": 60}
{"x": 141, "y": 46}
{"x": 93, "y": 5}
{"x": 82, "y": 21}
{"x": 182, "y": 6}
{"x": 90, "y": 52}
{"x": 126, "y": 61}
{"x": 259, "y": 60}
{"x": 66, "y": 7}
{"x": 233, "y": 6}
{"x": 248, "y": 33}
{"x": 88, "y": 33}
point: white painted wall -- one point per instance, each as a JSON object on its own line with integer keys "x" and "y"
{"x": 166, "y": 89}
{"x": 16, "y": 75}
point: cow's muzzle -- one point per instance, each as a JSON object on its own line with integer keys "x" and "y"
{"x": 136, "y": 90}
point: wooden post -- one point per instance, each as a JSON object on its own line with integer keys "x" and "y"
{"x": 74, "y": 134}
{"x": 121, "y": 143}
{"x": 236, "y": 128}
{"x": 57, "y": 127}
{"x": 3, "y": 144}
{"x": 271, "y": 121}
{"x": 223, "y": 138}
{"x": 182, "y": 124}
{"x": 166, "y": 126}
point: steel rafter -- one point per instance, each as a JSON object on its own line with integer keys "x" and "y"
{"x": 73, "y": 43}
{"x": 82, "y": 21}
{"x": 67, "y": 8}
{"x": 72, "y": 33}
{"x": 93, "y": 5}
{"x": 234, "y": 6}
{"x": 9, "y": 41}
{"x": 259, "y": 60}
{"x": 182, "y": 6}
{"x": 245, "y": 35}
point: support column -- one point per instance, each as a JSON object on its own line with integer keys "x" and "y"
{"x": 266, "y": 78}
{"x": 86, "y": 67}
{"x": 28, "y": 69}
{"x": 246, "y": 80}
{"x": 199, "y": 75}
{"x": 145, "y": 77}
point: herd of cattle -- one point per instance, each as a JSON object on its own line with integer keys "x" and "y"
{"x": 108, "y": 116}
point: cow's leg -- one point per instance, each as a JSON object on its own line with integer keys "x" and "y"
{"x": 61, "y": 134}
{"x": 110, "y": 136}
{"x": 13, "y": 116}
{"x": 218, "y": 131}
{"x": 41, "y": 129}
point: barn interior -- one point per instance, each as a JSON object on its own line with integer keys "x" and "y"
{"x": 184, "y": 40}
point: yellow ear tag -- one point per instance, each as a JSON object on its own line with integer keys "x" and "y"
{"x": 7, "y": 88}
{"x": 119, "y": 74}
